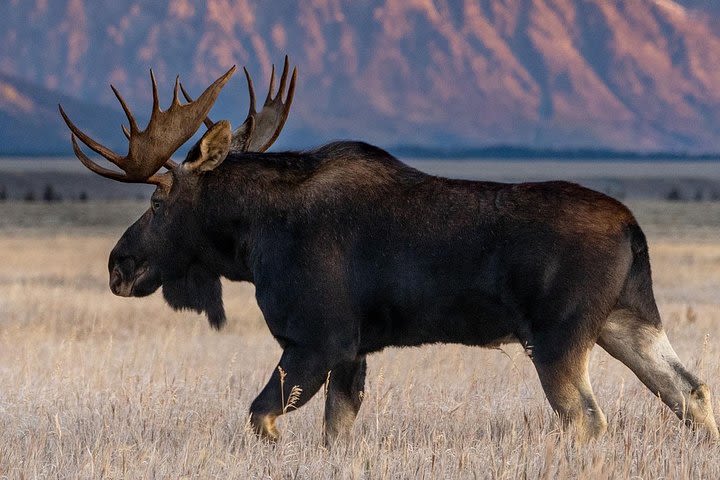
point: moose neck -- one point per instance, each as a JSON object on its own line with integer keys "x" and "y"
{"x": 240, "y": 201}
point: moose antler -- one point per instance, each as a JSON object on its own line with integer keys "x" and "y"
{"x": 261, "y": 129}
{"x": 151, "y": 148}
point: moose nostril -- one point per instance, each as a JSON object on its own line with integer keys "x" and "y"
{"x": 116, "y": 279}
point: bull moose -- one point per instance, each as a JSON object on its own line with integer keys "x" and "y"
{"x": 352, "y": 251}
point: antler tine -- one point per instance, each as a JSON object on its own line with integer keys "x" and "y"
{"x": 125, "y": 131}
{"x": 187, "y": 96}
{"x": 208, "y": 122}
{"x": 128, "y": 113}
{"x": 95, "y": 146}
{"x": 283, "y": 78}
{"x": 176, "y": 98}
{"x": 251, "y": 92}
{"x": 268, "y": 99}
{"x": 156, "y": 100}
{"x": 94, "y": 166}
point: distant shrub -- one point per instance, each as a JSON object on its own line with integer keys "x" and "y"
{"x": 50, "y": 195}
{"x": 674, "y": 195}
{"x": 3, "y": 193}
{"x": 83, "y": 197}
{"x": 29, "y": 196}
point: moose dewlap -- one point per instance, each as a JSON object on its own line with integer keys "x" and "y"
{"x": 351, "y": 251}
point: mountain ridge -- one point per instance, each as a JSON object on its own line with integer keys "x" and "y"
{"x": 540, "y": 73}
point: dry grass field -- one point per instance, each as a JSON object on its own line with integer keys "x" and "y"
{"x": 96, "y": 386}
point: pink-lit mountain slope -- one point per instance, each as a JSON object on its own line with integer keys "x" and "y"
{"x": 640, "y": 74}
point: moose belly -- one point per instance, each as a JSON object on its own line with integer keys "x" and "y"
{"x": 446, "y": 295}
{"x": 468, "y": 317}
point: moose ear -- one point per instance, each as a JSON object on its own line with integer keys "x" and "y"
{"x": 211, "y": 150}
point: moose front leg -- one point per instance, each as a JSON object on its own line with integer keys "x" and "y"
{"x": 344, "y": 397}
{"x": 299, "y": 375}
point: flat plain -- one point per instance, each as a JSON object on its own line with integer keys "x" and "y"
{"x": 96, "y": 386}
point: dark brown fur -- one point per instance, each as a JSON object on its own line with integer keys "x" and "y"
{"x": 351, "y": 251}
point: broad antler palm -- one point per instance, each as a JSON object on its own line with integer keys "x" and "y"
{"x": 151, "y": 148}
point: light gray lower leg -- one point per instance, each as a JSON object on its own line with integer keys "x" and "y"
{"x": 646, "y": 350}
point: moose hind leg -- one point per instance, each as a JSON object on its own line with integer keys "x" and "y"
{"x": 344, "y": 397}
{"x": 644, "y": 347}
{"x": 566, "y": 383}
{"x": 298, "y": 376}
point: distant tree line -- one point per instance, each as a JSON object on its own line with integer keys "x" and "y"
{"x": 49, "y": 195}
{"x": 675, "y": 194}
{"x": 513, "y": 152}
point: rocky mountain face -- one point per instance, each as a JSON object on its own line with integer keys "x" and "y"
{"x": 626, "y": 74}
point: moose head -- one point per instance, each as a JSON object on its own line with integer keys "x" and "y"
{"x": 166, "y": 245}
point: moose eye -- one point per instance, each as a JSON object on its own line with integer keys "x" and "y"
{"x": 156, "y": 204}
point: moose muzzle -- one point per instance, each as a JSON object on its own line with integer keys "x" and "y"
{"x": 128, "y": 279}
{"x": 122, "y": 277}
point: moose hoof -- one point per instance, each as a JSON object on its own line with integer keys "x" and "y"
{"x": 700, "y": 412}
{"x": 264, "y": 426}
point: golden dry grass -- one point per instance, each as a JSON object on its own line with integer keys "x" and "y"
{"x": 95, "y": 386}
